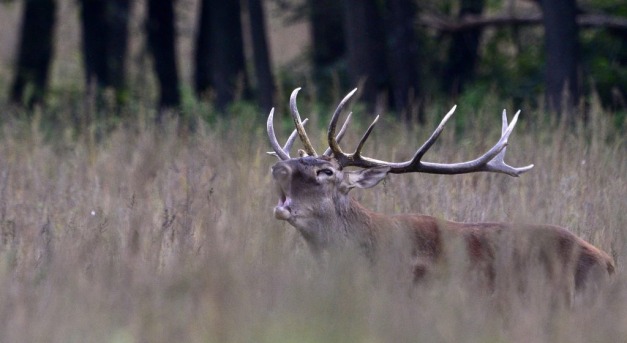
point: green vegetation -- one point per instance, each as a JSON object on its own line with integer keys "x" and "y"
{"x": 127, "y": 232}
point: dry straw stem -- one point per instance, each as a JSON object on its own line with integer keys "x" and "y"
{"x": 149, "y": 236}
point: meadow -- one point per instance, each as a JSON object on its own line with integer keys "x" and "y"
{"x": 139, "y": 233}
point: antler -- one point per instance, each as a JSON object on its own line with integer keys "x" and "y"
{"x": 309, "y": 149}
{"x": 491, "y": 161}
{"x": 283, "y": 153}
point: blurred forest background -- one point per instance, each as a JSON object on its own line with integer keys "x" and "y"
{"x": 555, "y": 55}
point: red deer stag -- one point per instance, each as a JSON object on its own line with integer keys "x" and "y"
{"x": 313, "y": 197}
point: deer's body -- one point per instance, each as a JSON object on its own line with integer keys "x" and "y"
{"x": 430, "y": 239}
{"x": 318, "y": 205}
{"x": 314, "y": 198}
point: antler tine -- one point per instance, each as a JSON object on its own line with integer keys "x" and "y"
{"x": 333, "y": 142}
{"x": 501, "y": 155}
{"x": 362, "y": 141}
{"x": 278, "y": 151}
{"x": 504, "y": 124}
{"x": 309, "y": 149}
{"x": 434, "y": 136}
{"x": 497, "y": 164}
{"x": 340, "y": 134}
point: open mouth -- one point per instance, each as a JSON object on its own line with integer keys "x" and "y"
{"x": 283, "y": 210}
{"x": 282, "y": 199}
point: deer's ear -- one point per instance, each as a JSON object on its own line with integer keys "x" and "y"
{"x": 365, "y": 178}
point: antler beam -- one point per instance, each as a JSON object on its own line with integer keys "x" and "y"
{"x": 490, "y": 161}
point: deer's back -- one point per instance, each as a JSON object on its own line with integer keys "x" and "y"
{"x": 492, "y": 248}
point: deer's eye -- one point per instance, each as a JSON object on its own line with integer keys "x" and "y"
{"x": 325, "y": 171}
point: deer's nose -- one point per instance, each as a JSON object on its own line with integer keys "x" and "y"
{"x": 280, "y": 171}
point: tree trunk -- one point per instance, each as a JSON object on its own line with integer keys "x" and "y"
{"x": 328, "y": 43}
{"x": 261, "y": 56}
{"x": 402, "y": 53}
{"x": 35, "y": 53}
{"x": 202, "y": 52}
{"x": 118, "y": 14}
{"x": 161, "y": 41}
{"x": 562, "y": 54}
{"x": 365, "y": 43}
{"x": 463, "y": 52}
{"x": 220, "y": 32}
{"x": 93, "y": 26}
{"x": 105, "y": 37}
{"x": 228, "y": 63}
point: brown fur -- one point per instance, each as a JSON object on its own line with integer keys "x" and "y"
{"x": 315, "y": 200}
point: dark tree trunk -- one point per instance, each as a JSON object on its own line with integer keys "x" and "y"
{"x": 202, "y": 52}
{"x": 463, "y": 52}
{"x": 328, "y": 43}
{"x": 161, "y": 41}
{"x": 365, "y": 47}
{"x": 35, "y": 52}
{"x": 403, "y": 53}
{"x": 562, "y": 54}
{"x": 261, "y": 55}
{"x": 93, "y": 25}
{"x": 105, "y": 37}
{"x": 220, "y": 33}
{"x": 228, "y": 63}
{"x": 118, "y": 14}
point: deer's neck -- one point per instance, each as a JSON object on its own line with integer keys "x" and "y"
{"x": 356, "y": 225}
{"x": 419, "y": 235}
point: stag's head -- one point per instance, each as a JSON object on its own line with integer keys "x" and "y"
{"x": 313, "y": 193}
{"x": 313, "y": 189}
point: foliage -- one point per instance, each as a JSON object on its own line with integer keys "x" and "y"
{"x": 607, "y": 71}
{"x": 512, "y": 57}
{"x": 512, "y": 64}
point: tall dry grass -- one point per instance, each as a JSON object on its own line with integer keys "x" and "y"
{"x": 158, "y": 235}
